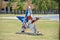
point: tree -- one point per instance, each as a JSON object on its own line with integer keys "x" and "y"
{"x": 16, "y": 4}
{"x": 46, "y": 4}
{"x": 38, "y": 4}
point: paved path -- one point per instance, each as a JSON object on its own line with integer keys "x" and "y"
{"x": 49, "y": 17}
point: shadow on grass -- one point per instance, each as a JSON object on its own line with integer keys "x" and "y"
{"x": 29, "y": 33}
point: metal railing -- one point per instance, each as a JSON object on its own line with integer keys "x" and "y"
{"x": 33, "y": 11}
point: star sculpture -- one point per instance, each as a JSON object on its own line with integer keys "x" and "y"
{"x": 28, "y": 20}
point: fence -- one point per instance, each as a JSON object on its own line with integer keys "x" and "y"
{"x": 33, "y": 11}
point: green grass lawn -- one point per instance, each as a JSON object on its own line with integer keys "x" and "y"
{"x": 8, "y": 29}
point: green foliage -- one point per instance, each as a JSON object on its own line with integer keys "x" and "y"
{"x": 54, "y": 5}
{"x": 22, "y": 0}
{"x": 46, "y": 4}
{"x": 35, "y": 2}
{"x": 9, "y": 4}
{"x": 42, "y": 5}
{"x": 38, "y": 4}
{"x": 20, "y": 5}
{"x": 13, "y": 0}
